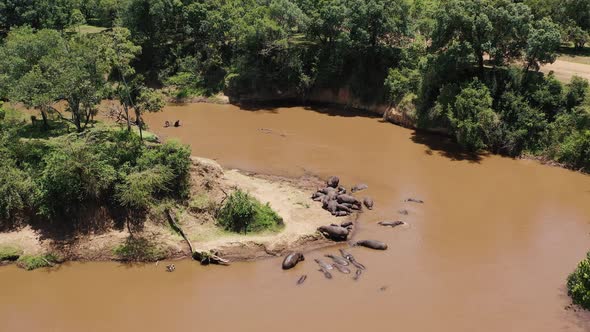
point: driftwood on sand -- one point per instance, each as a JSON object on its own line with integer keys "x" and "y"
{"x": 202, "y": 256}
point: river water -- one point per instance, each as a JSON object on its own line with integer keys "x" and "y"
{"x": 489, "y": 250}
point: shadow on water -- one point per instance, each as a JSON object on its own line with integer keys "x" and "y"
{"x": 322, "y": 108}
{"x": 445, "y": 147}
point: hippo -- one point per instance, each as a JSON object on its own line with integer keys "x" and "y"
{"x": 338, "y": 260}
{"x": 324, "y": 265}
{"x": 334, "y": 232}
{"x": 317, "y": 194}
{"x": 368, "y": 201}
{"x": 302, "y": 279}
{"x": 346, "y": 199}
{"x": 292, "y": 259}
{"x": 351, "y": 259}
{"x": 333, "y": 181}
{"x": 342, "y": 207}
{"x": 414, "y": 200}
{"x": 327, "y": 274}
{"x": 391, "y": 223}
{"x": 373, "y": 244}
{"x": 346, "y": 224}
{"x": 357, "y": 274}
{"x": 341, "y": 213}
{"x": 341, "y": 190}
{"x": 318, "y": 198}
{"x": 342, "y": 269}
{"x": 359, "y": 187}
{"x": 327, "y": 190}
{"x": 332, "y": 207}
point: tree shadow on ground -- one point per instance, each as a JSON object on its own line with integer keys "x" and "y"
{"x": 445, "y": 147}
{"x": 91, "y": 220}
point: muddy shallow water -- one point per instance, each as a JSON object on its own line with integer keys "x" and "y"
{"x": 488, "y": 251}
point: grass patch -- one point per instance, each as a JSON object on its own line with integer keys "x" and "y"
{"x": 139, "y": 249}
{"x": 578, "y": 284}
{"x": 89, "y": 29}
{"x": 202, "y": 203}
{"x": 10, "y": 253}
{"x": 242, "y": 213}
{"x": 32, "y": 262}
{"x": 571, "y": 54}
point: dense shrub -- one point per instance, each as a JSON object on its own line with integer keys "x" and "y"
{"x": 17, "y": 190}
{"x": 578, "y": 283}
{"x": 139, "y": 189}
{"x": 243, "y": 213}
{"x": 74, "y": 173}
{"x": 472, "y": 118}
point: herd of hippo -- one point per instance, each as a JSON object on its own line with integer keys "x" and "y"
{"x": 338, "y": 202}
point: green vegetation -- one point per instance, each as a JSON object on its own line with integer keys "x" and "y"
{"x": 59, "y": 178}
{"x": 139, "y": 249}
{"x": 243, "y": 213}
{"x": 8, "y": 253}
{"x": 32, "y": 262}
{"x": 578, "y": 284}
{"x": 430, "y": 59}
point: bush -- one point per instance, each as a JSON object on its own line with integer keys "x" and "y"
{"x": 74, "y": 173}
{"x": 17, "y": 190}
{"x": 139, "y": 249}
{"x": 32, "y": 262}
{"x": 9, "y": 253}
{"x": 472, "y": 118}
{"x": 578, "y": 284}
{"x": 243, "y": 213}
{"x": 176, "y": 157}
{"x": 139, "y": 189}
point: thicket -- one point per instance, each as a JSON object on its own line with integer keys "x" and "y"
{"x": 578, "y": 284}
{"x": 242, "y": 213}
{"x": 60, "y": 178}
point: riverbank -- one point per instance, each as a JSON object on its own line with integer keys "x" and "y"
{"x": 209, "y": 185}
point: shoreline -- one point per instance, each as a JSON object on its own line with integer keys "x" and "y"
{"x": 289, "y": 197}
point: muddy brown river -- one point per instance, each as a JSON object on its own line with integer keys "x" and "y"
{"x": 489, "y": 250}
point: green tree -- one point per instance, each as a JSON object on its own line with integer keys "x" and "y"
{"x": 148, "y": 100}
{"x": 25, "y": 59}
{"x": 543, "y": 43}
{"x": 472, "y": 118}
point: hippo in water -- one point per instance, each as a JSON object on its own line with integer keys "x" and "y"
{"x": 302, "y": 279}
{"x": 368, "y": 201}
{"x": 351, "y": 259}
{"x": 335, "y": 233}
{"x": 373, "y": 244}
{"x": 391, "y": 223}
{"x": 359, "y": 187}
{"x": 342, "y": 269}
{"x": 177, "y": 123}
{"x": 338, "y": 260}
{"x": 170, "y": 268}
{"x": 414, "y": 200}
{"x": 324, "y": 265}
{"x": 166, "y": 124}
{"x": 292, "y": 259}
{"x": 333, "y": 181}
